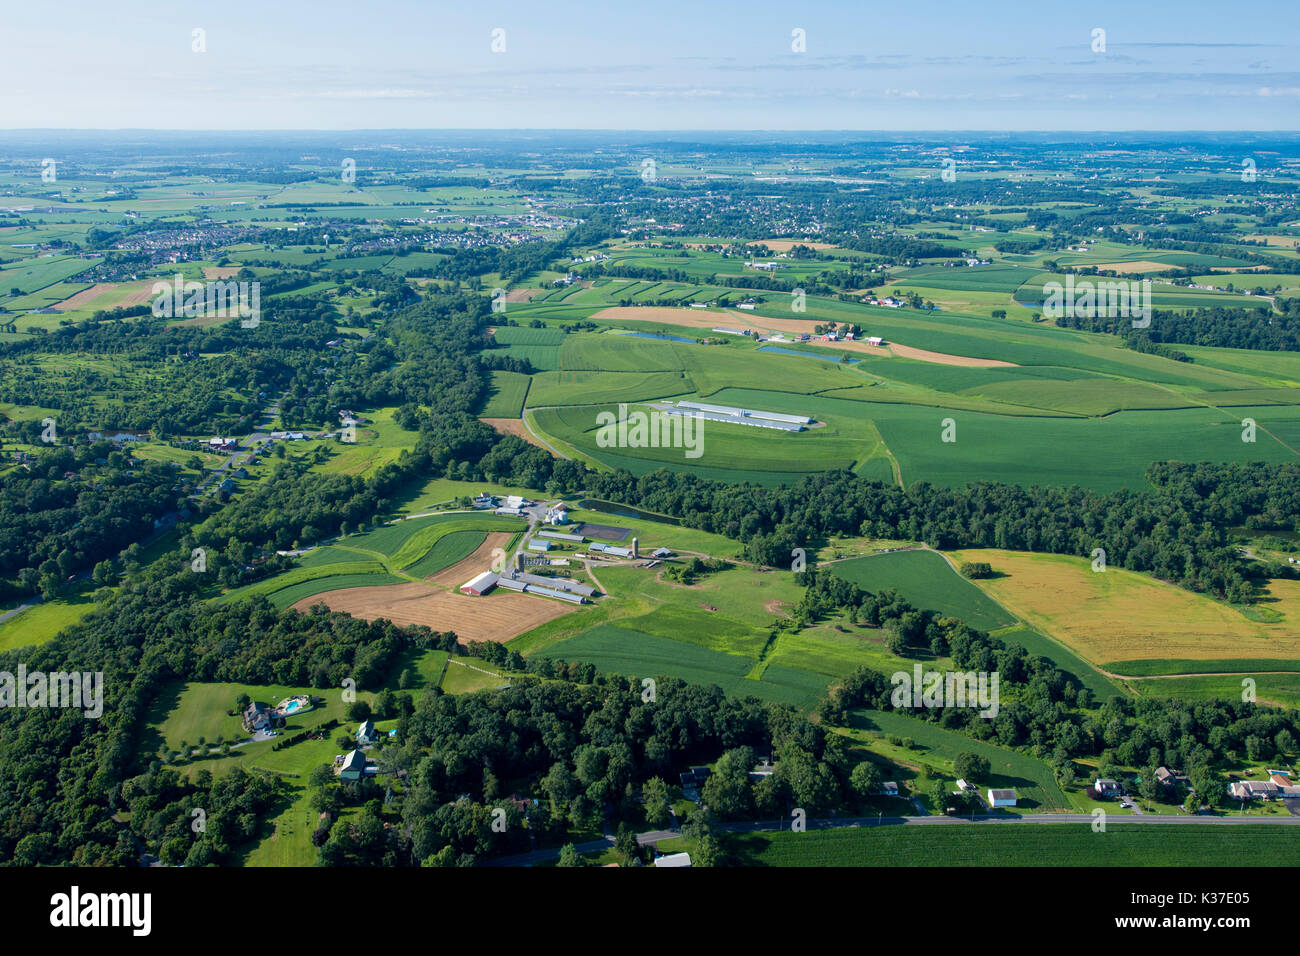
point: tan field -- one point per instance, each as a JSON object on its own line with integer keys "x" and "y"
{"x": 480, "y": 560}
{"x": 1143, "y": 265}
{"x": 523, "y": 295}
{"x": 109, "y": 295}
{"x": 497, "y": 617}
{"x": 220, "y": 272}
{"x": 513, "y": 426}
{"x": 1117, "y": 615}
{"x": 701, "y": 319}
{"x": 785, "y": 245}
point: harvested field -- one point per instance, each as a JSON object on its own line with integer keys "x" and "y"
{"x": 1142, "y": 265}
{"x": 109, "y": 295}
{"x": 480, "y": 560}
{"x": 785, "y": 245}
{"x": 220, "y": 272}
{"x": 497, "y": 617}
{"x": 523, "y": 295}
{"x": 513, "y": 426}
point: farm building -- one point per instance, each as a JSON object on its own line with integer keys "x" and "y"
{"x": 673, "y": 859}
{"x": 552, "y": 593}
{"x": 731, "y": 413}
{"x": 557, "y": 515}
{"x": 749, "y": 306}
{"x": 511, "y": 584}
{"x": 561, "y": 536}
{"x": 509, "y": 511}
{"x": 515, "y": 501}
{"x": 611, "y": 550}
{"x": 539, "y": 545}
{"x": 480, "y": 584}
{"x": 1002, "y": 798}
{"x": 662, "y": 553}
{"x": 562, "y": 584}
{"x": 731, "y": 331}
{"x": 875, "y": 340}
{"x": 354, "y": 766}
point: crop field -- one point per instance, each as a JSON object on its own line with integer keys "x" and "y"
{"x": 926, "y": 581}
{"x": 618, "y": 650}
{"x": 506, "y": 399}
{"x": 498, "y": 616}
{"x": 1112, "y": 617}
{"x": 402, "y": 551}
{"x": 1016, "y": 844}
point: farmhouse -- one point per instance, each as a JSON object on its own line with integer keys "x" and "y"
{"x": 1254, "y": 790}
{"x": 1106, "y": 787}
{"x": 366, "y": 733}
{"x": 480, "y": 584}
{"x": 1002, "y": 798}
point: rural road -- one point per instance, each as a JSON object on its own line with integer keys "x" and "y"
{"x": 655, "y": 836}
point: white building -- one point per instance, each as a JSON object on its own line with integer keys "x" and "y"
{"x": 673, "y": 859}
{"x": 1002, "y": 798}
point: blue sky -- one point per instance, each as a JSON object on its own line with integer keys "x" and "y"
{"x": 623, "y": 64}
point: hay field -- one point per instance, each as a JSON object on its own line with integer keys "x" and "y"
{"x": 1115, "y": 616}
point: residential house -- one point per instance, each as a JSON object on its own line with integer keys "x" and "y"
{"x": 1107, "y": 788}
{"x": 366, "y": 733}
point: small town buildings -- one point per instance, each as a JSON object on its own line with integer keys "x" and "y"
{"x": 1002, "y": 798}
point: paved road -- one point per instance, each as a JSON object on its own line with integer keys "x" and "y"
{"x": 653, "y": 837}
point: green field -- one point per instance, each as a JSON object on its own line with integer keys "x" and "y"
{"x": 1017, "y": 844}
{"x": 927, "y": 581}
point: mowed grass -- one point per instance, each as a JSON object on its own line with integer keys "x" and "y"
{"x": 926, "y": 580}
{"x": 188, "y": 711}
{"x": 1114, "y": 616}
{"x": 1032, "y": 779}
{"x": 41, "y": 622}
{"x": 1018, "y": 844}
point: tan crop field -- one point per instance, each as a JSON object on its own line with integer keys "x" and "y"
{"x": 513, "y": 426}
{"x": 1119, "y": 615}
{"x": 109, "y": 295}
{"x": 497, "y": 617}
